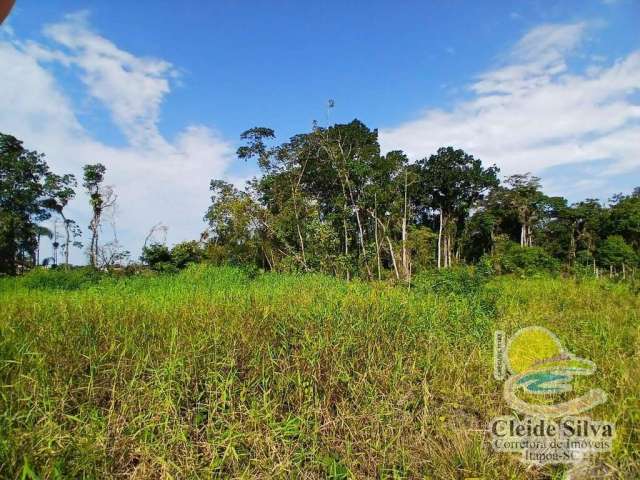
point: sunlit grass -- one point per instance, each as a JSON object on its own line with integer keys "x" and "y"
{"x": 211, "y": 373}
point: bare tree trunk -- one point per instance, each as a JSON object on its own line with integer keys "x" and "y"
{"x": 92, "y": 247}
{"x": 344, "y": 180}
{"x": 266, "y": 257}
{"x": 393, "y": 258}
{"x": 55, "y": 243}
{"x": 440, "y": 242}
{"x": 391, "y": 252}
{"x": 67, "y": 240}
{"x": 66, "y": 245}
{"x": 375, "y": 226}
{"x": 38, "y": 251}
{"x": 304, "y": 258}
{"x": 405, "y": 266}
{"x": 572, "y": 246}
{"x": 295, "y": 208}
{"x": 444, "y": 242}
{"x": 447, "y": 243}
{"x": 93, "y": 250}
{"x": 346, "y": 244}
{"x": 361, "y": 238}
{"x": 445, "y": 247}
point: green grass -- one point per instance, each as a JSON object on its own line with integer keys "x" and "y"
{"x": 213, "y": 374}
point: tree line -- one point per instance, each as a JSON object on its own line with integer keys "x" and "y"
{"x": 30, "y": 194}
{"x": 328, "y": 200}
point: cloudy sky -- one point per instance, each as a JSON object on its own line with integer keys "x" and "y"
{"x": 159, "y": 93}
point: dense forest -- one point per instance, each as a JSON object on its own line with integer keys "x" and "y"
{"x": 329, "y": 201}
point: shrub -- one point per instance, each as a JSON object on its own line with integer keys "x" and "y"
{"x": 514, "y": 258}
{"x": 458, "y": 280}
{"x": 186, "y": 252}
{"x": 161, "y": 259}
{"x": 155, "y": 255}
{"x": 614, "y": 252}
{"x": 62, "y": 279}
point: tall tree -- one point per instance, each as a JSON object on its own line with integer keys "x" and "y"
{"x": 451, "y": 182}
{"x": 100, "y": 198}
{"x": 27, "y": 192}
{"x": 62, "y": 190}
{"x": 280, "y": 188}
{"x": 615, "y": 253}
{"x": 524, "y": 196}
{"x": 624, "y": 218}
{"x": 587, "y": 220}
{"x": 237, "y": 223}
{"x": 316, "y": 180}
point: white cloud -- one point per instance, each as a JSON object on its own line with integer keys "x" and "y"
{"x": 156, "y": 179}
{"x": 131, "y": 87}
{"x": 533, "y": 113}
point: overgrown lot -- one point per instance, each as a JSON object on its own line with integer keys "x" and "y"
{"x": 216, "y": 373}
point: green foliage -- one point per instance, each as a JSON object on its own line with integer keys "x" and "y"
{"x": 451, "y": 182}
{"x": 159, "y": 258}
{"x": 213, "y": 373}
{"x": 624, "y": 219}
{"x": 421, "y": 242}
{"x": 61, "y": 279}
{"x": 185, "y": 253}
{"x": 156, "y": 255}
{"x": 467, "y": 286}
{"x": 468, "y": 281}
{"x": 236, "y": 222}
{"x": 29, "y": 192}
{"x": 93, "y": 176}
{"x": 513, "y": 258}
{"x": 615, "y": 252}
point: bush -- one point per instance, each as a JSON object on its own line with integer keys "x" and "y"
{"x": 514, "y": 258}
{"x": 156, "y": 256}
{"x": 161, "y": 259}
{"x": 615, "y": 252}
{"x": 186, "y": 252}
{"x": 61, "y": 279}
{"x": 466, "y": 281}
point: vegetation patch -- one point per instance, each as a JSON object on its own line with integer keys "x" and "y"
{"x": 218, "y": 373}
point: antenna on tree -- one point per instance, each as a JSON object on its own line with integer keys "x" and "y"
{"x": 330, "y": 104}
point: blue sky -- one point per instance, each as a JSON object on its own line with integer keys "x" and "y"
{"x": 160, "y": 91}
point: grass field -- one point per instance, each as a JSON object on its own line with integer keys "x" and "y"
{"x": 214, "y": 374}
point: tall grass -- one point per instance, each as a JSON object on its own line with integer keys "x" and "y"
{"x": 213, "y": 374}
